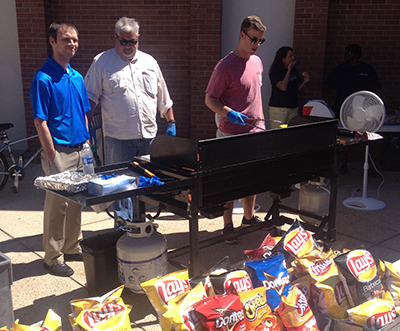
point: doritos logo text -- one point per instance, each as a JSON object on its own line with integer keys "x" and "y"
{"x": 229, "y": 320}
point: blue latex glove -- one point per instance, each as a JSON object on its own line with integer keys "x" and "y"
{"x": 236, "y": 118}
{"x": 171, "y": 130}
{"x": 144, "y": 181}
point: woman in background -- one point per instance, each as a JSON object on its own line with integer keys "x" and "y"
{"x": 286, "y": 82}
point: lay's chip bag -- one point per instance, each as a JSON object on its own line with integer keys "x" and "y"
{"x": 327, "y": 289}
{"x": 101, "y": 313}
{"x": 182, "y": 315}
{"x": 373, "y": 314}
{"x": 257, "y": 314}
{"x": 272, "y": 274}
{"x": 297, "y": 242}
{"x": 238, "y": 278}
{"x": 52, "y": 322}
{"x": 295, "y": 312}
{"x": 163, "y": 292}
{"x": 359, "y": 275}
{"x": 390, "y": 277}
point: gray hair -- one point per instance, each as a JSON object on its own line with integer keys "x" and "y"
{"x": 126, "y": 24}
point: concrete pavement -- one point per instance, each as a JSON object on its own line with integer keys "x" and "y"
{"x": 34, "y": 291}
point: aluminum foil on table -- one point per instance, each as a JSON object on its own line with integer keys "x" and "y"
{"x": 69, "y": 181}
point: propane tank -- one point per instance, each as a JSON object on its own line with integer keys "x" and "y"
{"x": 314, "y": 198}
{"x": 141, "y": 255}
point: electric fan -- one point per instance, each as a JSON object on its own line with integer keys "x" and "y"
{"x": 363, "y": 111}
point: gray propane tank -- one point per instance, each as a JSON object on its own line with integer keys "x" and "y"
{"x": 141, "y": 255}
{"x": 314, "y": 198}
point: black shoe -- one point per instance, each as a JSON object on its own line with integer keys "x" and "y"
{"x": 252, "y": 221}
{"x": 59, "y": 269}
{"x": 73, "y": 257}
{"x": 229, "y": 229}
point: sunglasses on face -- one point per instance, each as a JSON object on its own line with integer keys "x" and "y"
{"x": 254, "y": 40}
{"x": 124, "y": 42}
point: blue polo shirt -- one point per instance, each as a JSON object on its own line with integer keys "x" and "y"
{"x": 59, "y": 97}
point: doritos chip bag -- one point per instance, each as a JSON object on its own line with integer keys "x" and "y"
{"x": 296, "y": 242}
{"x": 295, "y": 312}
{"x": 257, "y": 314}
{"x": 264, "y": 250}
{"x": 272, "y": 274}
{"x": 182, "y": 315}
{"x": 373, "y": 314}
{"x": 107, "y": 312}
{"x": 358, "y": 273}
{"x": 221, "y": 312}
{"x": 52, "y": 322}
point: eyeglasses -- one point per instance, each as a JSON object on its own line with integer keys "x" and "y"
{"x": 254, "y": 40}
{"x": 124, "y": 42}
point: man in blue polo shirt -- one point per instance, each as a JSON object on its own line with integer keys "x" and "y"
{"x": 60, "y": 104}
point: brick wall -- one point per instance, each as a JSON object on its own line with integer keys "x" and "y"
{"x": 323, "y": 29}
{"x": 184, "y": 37}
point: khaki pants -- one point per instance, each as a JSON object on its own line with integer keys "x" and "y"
{"x": 281, "y": 114}
{"x": 61, "y": 218}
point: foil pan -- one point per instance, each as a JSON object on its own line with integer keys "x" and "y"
{"x": 69, "y": 181}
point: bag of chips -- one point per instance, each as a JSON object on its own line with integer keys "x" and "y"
{"x": 296, "y": 242}
{"x": 272, "y": 274}
{"x": 295, "y": 312}
{"x": 358, "y": 273}
{"x": 221, "y": 312}
{"x": 391, "y": 280}
{"x": 373, "y": 314}
{"x": 257, "y": 314}
{"x": 238, "y": 278}
{"x": 101, "y": 313}
{"x": 52, "y": 322}
{"x": 182, "y": 316}
{"x": 264, "y": 251}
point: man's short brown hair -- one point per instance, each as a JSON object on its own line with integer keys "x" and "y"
{"x": 254, "y": 22}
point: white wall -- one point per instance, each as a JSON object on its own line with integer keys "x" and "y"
{"x": 11, "y": 95}
{"x": 277, "y": 15}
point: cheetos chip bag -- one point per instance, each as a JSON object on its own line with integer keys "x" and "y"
{"x": 107, "y": 312}
{"x": 52, "y": 322}
{"x": 296, "y": 313}
{"x": 257, "y": 314}
{"x": 359, "y": 275}
{"x": 373, "y": 314}
{"x": 182, "y": 316}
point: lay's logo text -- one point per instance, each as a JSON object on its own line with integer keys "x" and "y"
{"x": 340, "y": 294}
{"x": 240, "y": 281}
{"x": 97, "y": 317}
{"x": 298, "y": 241}
{"x": 377, "y": 321}
{"x": 169, "y": 289}
{"x": 362, "y": 265}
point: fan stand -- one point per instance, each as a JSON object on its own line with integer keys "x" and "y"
{"x": 364, "y": 203}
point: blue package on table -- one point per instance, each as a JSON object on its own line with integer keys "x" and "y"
{"x": 272, "y": 274}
